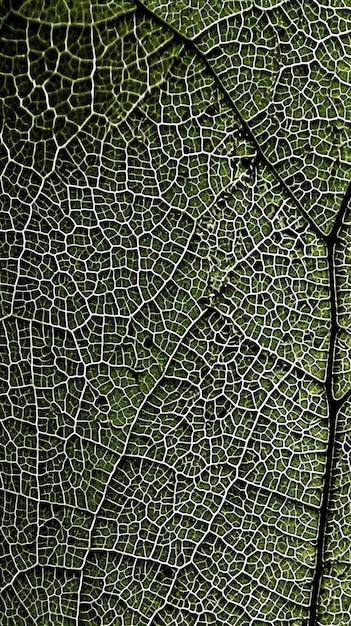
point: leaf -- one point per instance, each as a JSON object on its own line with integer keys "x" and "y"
{"x": 175, "y": 330}
{"x": 335, "y": 596}
{"x": 286, "y": 69}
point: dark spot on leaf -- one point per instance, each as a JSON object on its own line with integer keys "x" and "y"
{"x": 101, "y": 402}
{"x": 60, "y": 575}
{"x": 285, "y": 48}
{"x": 223, "y": 289}
{"x": 165, "y": 572}
{"x": 300, "y": 245}
{"x": 204, "y": 371}
{"x": 142, "y": 440}
{"x": 213, "y": 109}
{"x": 246, "y": 161}
{"x": 255, "y": 349}
{"x": 204, "y": 301}
{"x": 221, "y": 203}
{"x": 196, "y": 238}
{"x": 258, "y": 266}
{"x": 123, "y": 463}
{"x": 299, "y": 374}
{"x": 249, "y": 162}
{"x": 148, "y": 342}
{"x": 216, "y": 52}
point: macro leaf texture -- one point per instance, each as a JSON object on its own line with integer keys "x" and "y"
{"x": 175, "y": 341}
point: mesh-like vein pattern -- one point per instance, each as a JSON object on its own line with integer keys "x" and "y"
{"x": 336, "y": 583}
{"x": 165, "y": 334}
{"x": 287, "y": 67}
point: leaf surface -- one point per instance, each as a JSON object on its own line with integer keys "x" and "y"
{"x": 175, "y": 321}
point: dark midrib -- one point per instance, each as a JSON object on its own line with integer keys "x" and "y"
{"x": 333, "y": 405}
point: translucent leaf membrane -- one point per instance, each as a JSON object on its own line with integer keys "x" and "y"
{"x": 217, "y": 496}
{"x": 42, "y": 596}
{"x": 164, "y": 342}
{"x": 335, "y": 603}
{"x": 81, "y": 12}
{"x": 4, "y": 10}
{"x": 342, "y": 369}
{"x": 287, "y": 69}
{"x": 268, "y": 272}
